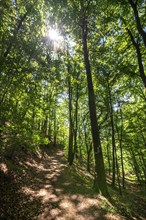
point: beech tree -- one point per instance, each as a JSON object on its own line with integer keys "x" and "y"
{"x": 83, "y": 89}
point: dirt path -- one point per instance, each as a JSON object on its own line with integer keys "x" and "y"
{"x": 50, "y": 190}
{"x": 63, "y": 194}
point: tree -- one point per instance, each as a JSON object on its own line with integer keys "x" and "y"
{"x": 100, "y": 179}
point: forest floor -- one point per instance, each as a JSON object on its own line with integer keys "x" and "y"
{"x": 44, "y": 187}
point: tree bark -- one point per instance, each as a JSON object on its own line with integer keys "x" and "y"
{"x": 118, "y": 172}
{"x": 120, "y": 135}
{"x": 100, "y": 178}
{"x": 113, "y": 137}
{"x": 135, "y": 165}
{"x": 71, "y": 134}
{"x": 55, "y": 127}
{"x": 139, "y": 57}
{"x": 88, "y": 147}
{"x": 108, "y": 158}
{"x": 137, "y": 20}
{"x": 76, "y": 122}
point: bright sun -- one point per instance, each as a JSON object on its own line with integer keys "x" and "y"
{"x": 54, "y": 35}
{"x": 58, "y": 41}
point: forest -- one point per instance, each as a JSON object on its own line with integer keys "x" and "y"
{"x": 73, "y": 90}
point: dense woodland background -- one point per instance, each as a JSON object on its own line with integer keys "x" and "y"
{"x": 85, "y": 90}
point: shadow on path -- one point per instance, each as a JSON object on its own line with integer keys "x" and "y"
{"x": 49, "y": 189}
{"x": 64, "y": 193}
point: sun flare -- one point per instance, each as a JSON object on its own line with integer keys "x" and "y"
{"x": 54, "y": 35}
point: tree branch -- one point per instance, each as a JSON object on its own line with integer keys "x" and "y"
{"x": 138, "y": 22}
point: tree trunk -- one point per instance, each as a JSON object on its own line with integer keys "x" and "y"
{"x": 71, "y": 134}
{"x": 113, "y": 138}
{"x": 122, "y": 164}
{"x": 139, "y": 57}
{"x": 143, "y": 163}
{"x": 50, "y": 126}
{"x": 55, "y": 127}
{"x": 135, "y": 165}
{"x": 76, "y": 123}
{"x": 44, "y": 127}
{"x": 137, "y": 20}
{"x": 118, "y": 172}
{"x": 88, "y": 148}
{"x": 100, "y": 178}
{"x": 121, "y": 150}
{"x": 108, "y": 159}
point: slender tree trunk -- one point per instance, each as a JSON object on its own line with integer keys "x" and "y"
{"x": 71, "y": 134}
{"x": 142, "y": 166}
{"x": 44, "y": 127}
{"x": 88, "y": 148}
{"x": 122, "y": 164}
{"x": 76, "y": 122}
{"x": 137, "y": 20}
{"x": 143, "y": 163}
{"x": 100, "y": 178}
{"x": 108, "y": 159}
{"x": 55, "y": 127}
{"x": 121, "y": 150}
{"x": 50, "y": 126}
{"x": 120, "y": 137}
{"x": 118, "y": 172}
{"x": 136, "y": 167}
{"x": 139, "y": 57}
{"x": 113, "y": 137}
{"x": 33, "y": 120}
